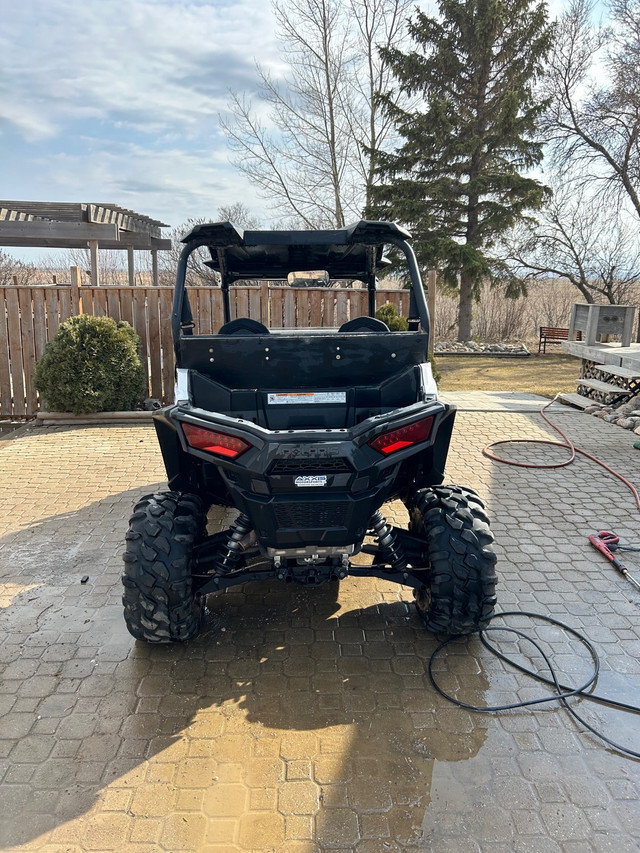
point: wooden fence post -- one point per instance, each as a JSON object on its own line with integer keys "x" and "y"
{"x": 76, "y": 276}
{"x": 264, "y": 303}
{"x": 76, "y": 283}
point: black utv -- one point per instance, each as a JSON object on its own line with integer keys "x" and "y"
{"x": 307, "y": 433}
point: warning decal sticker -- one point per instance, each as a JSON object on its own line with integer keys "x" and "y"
{"x": 295, "y": 398}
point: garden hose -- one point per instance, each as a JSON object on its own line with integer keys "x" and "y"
{"x": 487, "y": 451}
{"x": 561, "y": 692}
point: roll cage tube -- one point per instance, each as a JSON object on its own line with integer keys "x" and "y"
{"x": 182, "y": 318}
{"x": 418, "y": 299}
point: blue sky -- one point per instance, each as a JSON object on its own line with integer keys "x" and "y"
{"x": 117, "y": 101}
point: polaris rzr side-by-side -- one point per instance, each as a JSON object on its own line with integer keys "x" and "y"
{"x": 307, "y": 433}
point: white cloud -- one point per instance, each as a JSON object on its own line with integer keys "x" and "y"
{"x": 149, "y": 65}
{"x": 171, "y": 184}
{"x": 117, "y": 100}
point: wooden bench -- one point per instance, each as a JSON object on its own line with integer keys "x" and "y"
{"x": 552, "y": 335}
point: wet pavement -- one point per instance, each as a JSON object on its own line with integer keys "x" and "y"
{"x": 303, "y": 720}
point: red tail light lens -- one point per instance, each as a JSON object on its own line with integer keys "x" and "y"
{"x": 212, "y": 441}
{"x": 406, "y": 436}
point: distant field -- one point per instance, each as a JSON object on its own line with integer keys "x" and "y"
{"x": 546, "y": 375}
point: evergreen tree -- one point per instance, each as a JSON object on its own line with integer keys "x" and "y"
{"x": 456, "y": 179}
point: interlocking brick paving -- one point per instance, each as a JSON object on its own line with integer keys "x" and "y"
{"x": 303, "y": 720}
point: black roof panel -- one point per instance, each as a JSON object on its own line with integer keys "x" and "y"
{"x": 352, "y": 252}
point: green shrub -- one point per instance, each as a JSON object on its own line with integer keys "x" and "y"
{"x": 389, "y": 315}
{"x": 92, "y": 364}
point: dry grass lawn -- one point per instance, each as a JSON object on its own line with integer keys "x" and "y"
{"x": 546, "y": 375}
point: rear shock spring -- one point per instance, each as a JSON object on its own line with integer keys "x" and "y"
{"x": 231, "y": 556}
{"x": 389, "y": 548}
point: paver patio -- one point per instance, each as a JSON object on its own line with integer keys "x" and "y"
{"x": 303, "y": 720}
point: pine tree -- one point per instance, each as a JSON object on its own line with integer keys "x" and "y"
{"x": 456, "y": 179}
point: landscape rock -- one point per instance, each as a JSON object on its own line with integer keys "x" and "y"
{"x": 454, "y": 347}
{"x": 626, "y": 415}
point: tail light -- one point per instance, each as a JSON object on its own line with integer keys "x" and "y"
{"x": 406, "y": 436}
{"x": 212, "y": 441}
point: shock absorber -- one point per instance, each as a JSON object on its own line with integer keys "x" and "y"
{"x": 387, "y": 543}
{"x": 231, "y": 558}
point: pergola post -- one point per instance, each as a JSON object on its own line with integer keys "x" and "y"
{"x": 131, "y": 267}
{"x": 155, "y": 281}
{"x": 95, "y": 263}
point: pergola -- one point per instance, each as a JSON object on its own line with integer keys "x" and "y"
{"x": 56, "y": 225}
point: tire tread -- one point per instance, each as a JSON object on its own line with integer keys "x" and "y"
{"x": 458, "y": 596}
{"x": 158, "y": 599}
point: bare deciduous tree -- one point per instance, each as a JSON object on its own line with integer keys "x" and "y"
{"x": 239, "y": 214}
{"x": 113, "y": 265}
{"x": 312, "y": 152}
{"x": 578, "y": 239}
{"x": 197, "y": 271}
{"x": 14, "y": 271}
{"x": 591, "y": 125}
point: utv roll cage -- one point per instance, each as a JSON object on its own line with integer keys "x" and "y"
{"x": 355, "y": 252}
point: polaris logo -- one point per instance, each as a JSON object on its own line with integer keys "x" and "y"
{"x": 304, "y": 451}
{"x": 315, "y": 480}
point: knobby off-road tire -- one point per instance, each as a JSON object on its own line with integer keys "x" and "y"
{"x": 159, "y": 602}
{"x": 458, "y": 596}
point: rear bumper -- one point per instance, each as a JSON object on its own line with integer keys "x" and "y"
{"x": 303, "y": 488}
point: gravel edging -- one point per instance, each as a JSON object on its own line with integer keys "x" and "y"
{"x": 499, "y": 350}
{"x": 440, "y": 354}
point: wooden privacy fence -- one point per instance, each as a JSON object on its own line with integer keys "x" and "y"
{"x": 30, "y": 317}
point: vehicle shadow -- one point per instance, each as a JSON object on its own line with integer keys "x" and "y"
{"x": 301, "y": 714}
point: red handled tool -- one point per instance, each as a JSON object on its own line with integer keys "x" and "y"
{"x": 602, "y": 541}
{"x": 612, "y": 541}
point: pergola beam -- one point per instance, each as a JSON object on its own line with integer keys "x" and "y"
{"x": 124, "y": 219}
{"x": 60, "y": 211}
{"x": 138, "y": 242}
{"x": 46, "y": 229}
{"x": 107, "y": 214}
